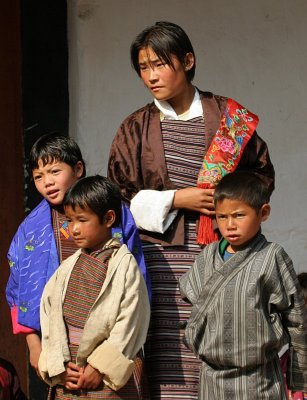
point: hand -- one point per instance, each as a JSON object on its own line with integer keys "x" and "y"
{"x": 35, "y": 348}
{"x": 70, "y": 377}
{"x": 90, "y": 379}
{"x": 196, "y": 199}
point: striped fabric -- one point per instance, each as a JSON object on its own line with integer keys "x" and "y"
{"x": 83, "y": 288}
{"x": 64, "y": 243}
{"x": 244, "y": 310}
{"x": 173, "y": 370}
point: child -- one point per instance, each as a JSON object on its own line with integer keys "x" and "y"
{"x": 42, "y": 241}
{"x": 157, "y": 158}
{"x": 247, "y": 302}
{"x": 95, "y": 309}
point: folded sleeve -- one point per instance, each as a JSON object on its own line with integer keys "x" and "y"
{"x": 115, "y": 367}
{"x": 152, "y": 210}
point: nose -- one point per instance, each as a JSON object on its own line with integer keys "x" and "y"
{"x": 48, "y": 180}
{"x": 74, "y": 228}
{"x": 230, "y": 223}
{"x": 153, "y": 74}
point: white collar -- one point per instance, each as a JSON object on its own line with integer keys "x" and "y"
{"x": 195, "y": 110}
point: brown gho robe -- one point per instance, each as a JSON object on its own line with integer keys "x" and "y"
{"x": 137, "y": 159}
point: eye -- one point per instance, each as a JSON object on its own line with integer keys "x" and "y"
{"x": 56, "y": 171}
{"x": 37, "y": 177}
{"x": 221, "y": 217}
{"x": 143, "y": 67}
{"x": 240, "y": 215}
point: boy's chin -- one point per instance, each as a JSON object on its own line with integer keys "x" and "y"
{"x": 55, "y": 202}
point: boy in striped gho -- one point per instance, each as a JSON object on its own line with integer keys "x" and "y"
{"x": 247, "y": 302}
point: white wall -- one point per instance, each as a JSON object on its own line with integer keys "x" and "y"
{"x": 253, "y": 51}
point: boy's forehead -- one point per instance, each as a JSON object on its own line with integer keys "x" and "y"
{"x": 47, "y": 163}
{"x": 77, "y": 209}
{"x": 232, "y": 203}
{"x": 148, "y": 54}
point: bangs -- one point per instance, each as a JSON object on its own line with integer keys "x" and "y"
{"x": 161, "y": 49}
{"x": 47, "y": 159}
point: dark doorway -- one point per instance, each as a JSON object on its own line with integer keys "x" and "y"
{"x": 33, "y": 101}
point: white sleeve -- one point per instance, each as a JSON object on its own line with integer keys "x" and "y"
{"x": 152, "y": 210}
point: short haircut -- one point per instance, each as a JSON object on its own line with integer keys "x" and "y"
{"x": 98, "y": 193}
{"x": 165, "y": 39}
{"x": 302, "y": 278}
{"x": 245, "y": 186}
{"x": 53, "y": 147}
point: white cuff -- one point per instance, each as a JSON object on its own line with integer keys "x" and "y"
{"x": 151, "y": 210}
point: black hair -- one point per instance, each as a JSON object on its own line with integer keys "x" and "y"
{"x": 245, "y": 186}
{"x": 165, "y": 39}
{"x": 54, "y": 147}
{"x": 302, "y": 278}
{"x": 98, "y": 193}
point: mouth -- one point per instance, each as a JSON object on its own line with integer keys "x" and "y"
{"x": 155, "y": 88}
{"x": 52, "y": 193}
{"x": 78, "y": 241}
{"x": 233, "y": 237}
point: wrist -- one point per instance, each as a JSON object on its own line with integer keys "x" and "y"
{"x": 33, "y": 340}
{"x": 177, "y": 200}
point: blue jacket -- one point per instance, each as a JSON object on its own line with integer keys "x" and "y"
{"x": 33, "y": 258}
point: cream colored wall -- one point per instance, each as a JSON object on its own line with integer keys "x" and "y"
{"x": 253, "y": 51}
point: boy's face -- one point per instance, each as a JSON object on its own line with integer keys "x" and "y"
{"x": 86, "y": 229}
{"x": 163, "y": 81}
{"x": 238, "y": 222}
{"x": 53, "y": 179}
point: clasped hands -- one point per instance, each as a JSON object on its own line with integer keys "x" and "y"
{"x": 76, "y": 378}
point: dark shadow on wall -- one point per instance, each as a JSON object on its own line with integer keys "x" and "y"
{"x": 44, "y": 95}
{"x": 44, "y": 75}
{"x": 12, "y": 348}
{"x": 33, "y": 101}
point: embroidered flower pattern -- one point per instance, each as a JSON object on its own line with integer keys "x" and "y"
{"x": 212, "y": 173}
{"x": 23, "y": 309}
{"x": 237, "y": 125}
{"x": 226, "y": 145}
{"x": 29, "y": 247}
{"x": 117, "y": 235}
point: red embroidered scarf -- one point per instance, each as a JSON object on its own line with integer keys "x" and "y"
{"x": 236, "y": 128}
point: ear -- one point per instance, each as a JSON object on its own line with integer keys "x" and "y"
{"x": 189, "y": 61}
{"x": 109, "y": 218}
{"x": 265, "y": 212}
{"x": 79, "y": 169}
